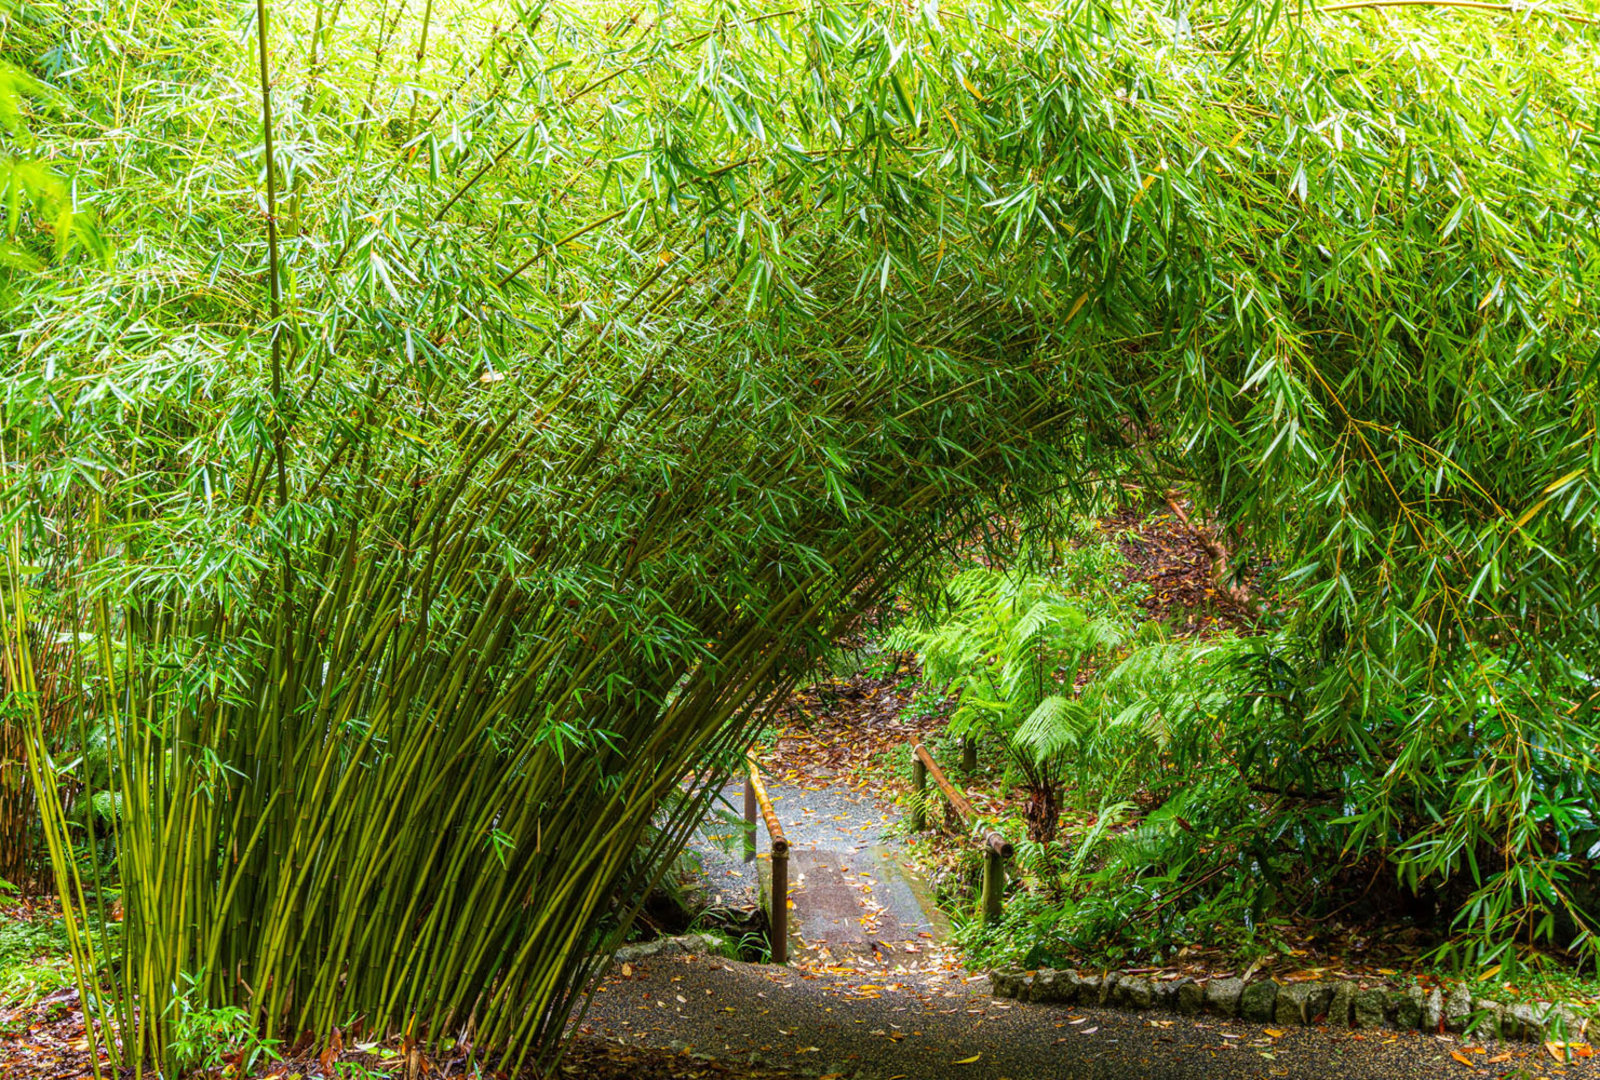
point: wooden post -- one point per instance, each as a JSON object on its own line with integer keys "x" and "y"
{"x": 969, "y": 755}
{"x": 749, "y": 819}
{"x": 780, "y": 906}
{"x": 994, "y": 883}
{"x": 919, "y": 791}
{"x": 778, "y": 900}
{"x": 996, "y": 849}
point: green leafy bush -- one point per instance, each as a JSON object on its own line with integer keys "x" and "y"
{"x": 1252, "y": 819}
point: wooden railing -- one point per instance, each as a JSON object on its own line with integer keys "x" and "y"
{"x": 755, "y": 797}
{"x": 995, "y": 847}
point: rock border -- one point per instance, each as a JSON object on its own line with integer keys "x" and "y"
{"x": 700, "y": 944}
{"x": 1334, "y": 1002}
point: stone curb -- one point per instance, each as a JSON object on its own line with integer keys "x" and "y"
{"x": 684, "y": 944}
{"x": 1335, "y": 1002}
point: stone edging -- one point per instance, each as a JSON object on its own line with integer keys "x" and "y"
{"x": 1335, "y": 1002}
{"x": 688, "y": 944}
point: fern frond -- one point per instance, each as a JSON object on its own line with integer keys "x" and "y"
{"x": 1055, "y": 727}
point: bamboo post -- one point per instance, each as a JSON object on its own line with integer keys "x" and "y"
{"x": 778, "y": 902}
{"x": 957, "y": 808}
{"x": 996, "y": 849}
{"x": 749, "y": 820}
{"x": 780, "y": 906}
{"x": 919, "y": 790}
{"x": 969, "y": 755}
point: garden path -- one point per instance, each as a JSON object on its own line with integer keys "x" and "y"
{"x": 906, "y": 1022}
{"x": 872, "y": 992}
{"x": 855, "y": 899}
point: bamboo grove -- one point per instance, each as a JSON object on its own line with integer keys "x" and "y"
{"x": 433, "y": 437}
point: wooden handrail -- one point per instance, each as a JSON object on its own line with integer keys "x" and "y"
{"x": 957, "y": 800}
{"x": 996, "y": 848}
{"x": 755, "y": 796}
{"x": 769, "y": 815}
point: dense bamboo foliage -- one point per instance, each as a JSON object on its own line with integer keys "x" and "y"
{"x": 403, "y": 667}
{"x": 475, "y": 423}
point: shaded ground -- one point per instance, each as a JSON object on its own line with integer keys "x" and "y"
{"x": 936, "y": 1024}
{"x": 1167, "y": 556}
{"x": 600, "y": 1059}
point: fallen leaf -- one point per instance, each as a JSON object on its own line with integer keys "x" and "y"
{"x": 1274, "y": 1032}
{"x": 1464, "y": 1059}
{"x": 627, "y": 971}
{"x": 968, "y": 1061}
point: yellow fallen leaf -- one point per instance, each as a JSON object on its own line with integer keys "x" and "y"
{"x": 1274, "y": 1032}
{"x": 627, "y": 971}
{"x": 1556, "y": 1050}
{"x": 970, "y": 1060}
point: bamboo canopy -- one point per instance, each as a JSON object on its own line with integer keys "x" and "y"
{"x": 481, "y": 465}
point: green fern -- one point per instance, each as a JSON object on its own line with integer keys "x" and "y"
{"x": 1013, "y": 649}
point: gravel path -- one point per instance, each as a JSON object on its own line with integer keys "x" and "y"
{"x": 919, "y": 1026}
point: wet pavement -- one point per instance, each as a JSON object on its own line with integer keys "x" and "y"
{"x": 851, "y": 888}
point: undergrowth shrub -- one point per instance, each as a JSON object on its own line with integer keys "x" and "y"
{"x": 1218, "y": 813}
